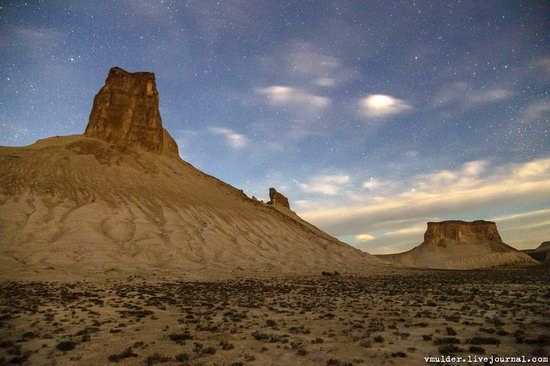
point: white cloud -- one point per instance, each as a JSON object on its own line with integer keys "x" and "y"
{"x": 464, "y": 95}
{"x": 372, "y": 184}
{"x": 536, "y": 111}
{"x": 232, "y": 138}
{"x": 326, "y": 184}
{"x": 324, "y": 81}
{"x": 474, "y": 168}
{"x": 278, "y": 95}
{"x": 487, "y": 96}
{"x": 364, "y": 237}
{"x": 381, "y": 106}
{"x": 308, "y": 61}
{"x": 407, "y": 231}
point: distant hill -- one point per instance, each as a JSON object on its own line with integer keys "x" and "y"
{"x": 461, "y": 245}
{"x": 541, "y": 254}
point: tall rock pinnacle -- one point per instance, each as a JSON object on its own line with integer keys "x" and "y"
{"x": 126, "y": 113}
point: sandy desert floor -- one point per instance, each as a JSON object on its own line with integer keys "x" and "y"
{"x": 392, "y": 319}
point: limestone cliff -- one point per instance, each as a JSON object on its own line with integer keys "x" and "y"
{"x": 460, "y": 231}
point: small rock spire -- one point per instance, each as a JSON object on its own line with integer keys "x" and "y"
{"x": 277, "y": 198}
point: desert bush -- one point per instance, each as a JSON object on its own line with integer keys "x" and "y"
{"x": 179, "y": 338}
{"x": 156, "y": 358}
{"x": 476, "y": 349}
{"x": 451, "y": 331}
{"x": 399, "y": 354}
{"x": 65, "y": 346}
{"x": 484, "y": 340}
{"x": 226, "y": 346}
{"x": 117, "y": 357}
{"x": 448, "y": 349}
{"x": 448, "y": 340}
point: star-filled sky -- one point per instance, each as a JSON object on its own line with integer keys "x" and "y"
{"x": 373, "y": 117}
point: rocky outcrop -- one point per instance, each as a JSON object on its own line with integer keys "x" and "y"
{"x": 126, "y": 113}
{"x": 541, "y": 254}
{"x": 461, "y": 245}
{"x": 545, "y": 245}
{"x": 455, "y": 230}
{"x": 277, "y": 198}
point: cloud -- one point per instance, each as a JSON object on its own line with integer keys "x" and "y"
{"x": 232, "y": 138}
{"x": 326, "y": 184}
{"x": 324, "y": 81}
{"x": 544, "y": 64}
{"x": 464, "y": 95}
{"x": 364, "y": 237}
{"x": 382, "y": 106}
{"x": 307, "y": 62}
{"x": 372, "y": 184}
{"x": 475, "y": 168}
{"x": 524, "y": 229}
{"x": 473, "y": 190}
{"x": 489, "y": 96}
{"x": 285, "y": 95}
{"x": 31, "y": 39}
{"x": 406, "y": 231}
{"x": 537, "y": 110}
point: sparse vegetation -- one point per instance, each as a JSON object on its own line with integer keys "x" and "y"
{"x": 127, "y": 353}
{"x": 255, "y": 319}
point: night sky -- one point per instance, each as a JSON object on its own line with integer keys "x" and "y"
{"x": 373, "y": 117}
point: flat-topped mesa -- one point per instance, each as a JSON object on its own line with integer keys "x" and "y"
{"x": 126, "y": 113}
{"x": 277, "y": 198}
{"x": 461, "y": 231}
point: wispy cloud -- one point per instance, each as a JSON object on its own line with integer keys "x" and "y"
{"x": 278, "y": 95}
{"x": 326, "y": 184}
{"x": 320, "y": 68}
{"x": 309, "y": 65}
{"x": 232, "y": 138}
{"x": 463, "y": 94}
{"x": 544, "y": 64}
{"x": 536, "y": 111}
{"x": 364, "y": 237}
{"x": 382, "y": 106}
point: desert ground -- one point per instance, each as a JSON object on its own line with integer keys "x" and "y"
{"x": 395, "y": 318}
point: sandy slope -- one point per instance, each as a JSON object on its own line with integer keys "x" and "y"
{"x": 77, "y": 205}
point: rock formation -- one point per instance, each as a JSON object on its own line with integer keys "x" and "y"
{"x": 92, "y": 206}
{"x": 126, "y": 113}
{"x": 277, "y": 198}
{"x": 460, "y": 245}
{"x": 438, "y": 233}
{"x": 541, "y": 253}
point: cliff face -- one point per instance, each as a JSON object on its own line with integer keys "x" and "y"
{"x": 461, "y": 231}
{"x": 126, "y": 113}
